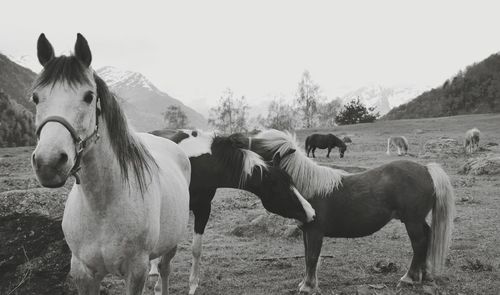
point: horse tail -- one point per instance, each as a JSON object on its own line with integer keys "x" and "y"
{"x": 442, "y": 218}
{"x": 308, "y": 143}
{"x": 389, "y": 145}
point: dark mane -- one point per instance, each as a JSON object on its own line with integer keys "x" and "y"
{"x": 231, "y": 157}
{"x": 62, "y": 69}
{"x": 233, "y": 154}
{"x": 130, "y": 152}
{"x": 338, "y": 141}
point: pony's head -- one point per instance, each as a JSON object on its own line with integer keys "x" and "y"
{"x": 276, "y": 190}
{"x": 342, "y": 150}
{"x": 67, "y": 110}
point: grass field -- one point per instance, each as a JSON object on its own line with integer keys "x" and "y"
{"x": 248, "y": 263}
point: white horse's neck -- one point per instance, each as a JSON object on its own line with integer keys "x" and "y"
{"x": 100, "y": 174}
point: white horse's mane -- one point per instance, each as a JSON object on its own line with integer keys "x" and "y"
{"x": 310, "y": 178}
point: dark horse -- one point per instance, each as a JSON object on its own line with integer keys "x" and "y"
{"x": 324, "y": 141}
{"x": 357, "y": 205}
{"x": 226, "y": 162}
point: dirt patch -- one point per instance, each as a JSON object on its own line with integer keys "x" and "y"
{"x": 442, "y": 147}
{"x": 267, "y": 225}
{"x": 34, "y": 258}
{"x": 488, "y": 165}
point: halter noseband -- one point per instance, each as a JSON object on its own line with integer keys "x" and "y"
{"x": 80, "y": 144}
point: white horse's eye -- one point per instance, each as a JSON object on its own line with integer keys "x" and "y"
{"x": 35, "y": 98}
{"x": 88, "y": 97}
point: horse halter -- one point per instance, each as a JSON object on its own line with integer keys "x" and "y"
{"x": 80, "y": 144}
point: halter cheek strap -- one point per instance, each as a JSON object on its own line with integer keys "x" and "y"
{"x": 80, "y": 144}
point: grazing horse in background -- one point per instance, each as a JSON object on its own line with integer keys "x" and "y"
{"x": 130, "y": 201}
{"x": 324, "y": 141}
{"x": 358, "y": 205}
{"x": 472, "y": 140}
{"x": 226, "y": 162}
{"x": 399, "y": 142}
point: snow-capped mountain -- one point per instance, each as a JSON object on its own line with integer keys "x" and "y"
{"x": 384, "y": 98}
{"x": 143, "y": 102}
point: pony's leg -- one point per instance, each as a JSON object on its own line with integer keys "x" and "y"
{"x": 201, "y": 215}
{"x": 313, "y": 150}
{"x": 304, "y": 237}
{"x": 86, "y": 282}
{"x": 137, "y": 273}
{"x": 314, "y": 240}
{"x": 154, "y": 271}
{"x": 328, "y": 154}
{"x": 419, "y": 242}
{"x": 161, "y": 287}
{"x": 399, "y": 151}
{"x": 426, "y": 270}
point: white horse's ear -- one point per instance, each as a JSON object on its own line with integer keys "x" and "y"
{"x": 45, "y": 51}
{"x": 82, "y": 50}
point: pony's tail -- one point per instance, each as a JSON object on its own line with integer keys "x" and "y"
{"x": 388, "y": 146}
{"x": 308, "y": 139}
{"x": 442, "y": 218}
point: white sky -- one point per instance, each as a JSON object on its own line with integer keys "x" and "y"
{"x": 195, "y": 50}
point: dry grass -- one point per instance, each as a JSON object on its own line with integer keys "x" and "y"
{"x": 233, "y": 264}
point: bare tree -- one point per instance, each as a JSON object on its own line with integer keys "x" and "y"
{"x": 307, "y": 99}
{"x": 328, "y": 112}
{"x": 230, "y": 114}
{"x": 280, "y": 115}
{"x": 175, "y": 117}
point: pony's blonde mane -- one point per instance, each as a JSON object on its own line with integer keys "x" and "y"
{"x": 310, "y": 178}
{"x": 251, "y": 160}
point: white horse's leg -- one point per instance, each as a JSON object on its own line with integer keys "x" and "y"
{"x": 137, "y": 274}
{"x": 399, "y": 151}
{"x": 194, "y": 277}
{"x": 161, "y": 287}
{"x": 86, "y": 282}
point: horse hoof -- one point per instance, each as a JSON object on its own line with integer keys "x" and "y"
{"x": 406, "y": 280}
{"x": 304, "y": 288}
{"x": 192, "y": 289}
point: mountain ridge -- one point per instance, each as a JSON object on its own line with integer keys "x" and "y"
{"x": 142, "y": 101}
{"x": 474, "y": 90}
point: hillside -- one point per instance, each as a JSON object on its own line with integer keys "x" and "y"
{"x": 16, "y": 124}
{"x": 15, "y": 81}
{"x": 143, "y": 102}
{"x": 475, "y": 90}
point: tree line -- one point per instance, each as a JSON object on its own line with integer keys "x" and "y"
{"x": 17, "y": 126}
{"x": 308, "y": 109}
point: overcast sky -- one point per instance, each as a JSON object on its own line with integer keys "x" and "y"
{"x": 194, "y": 50}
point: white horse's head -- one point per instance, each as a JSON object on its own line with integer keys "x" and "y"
{"x": 67, "y": 111}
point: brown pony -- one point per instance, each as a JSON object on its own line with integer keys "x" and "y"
{"x": 358, "y": 205}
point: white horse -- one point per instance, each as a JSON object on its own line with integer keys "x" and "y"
{"x": 399, "y": 142}
{"x": 472, "y": 140}
{"x": 130, "y": 202}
